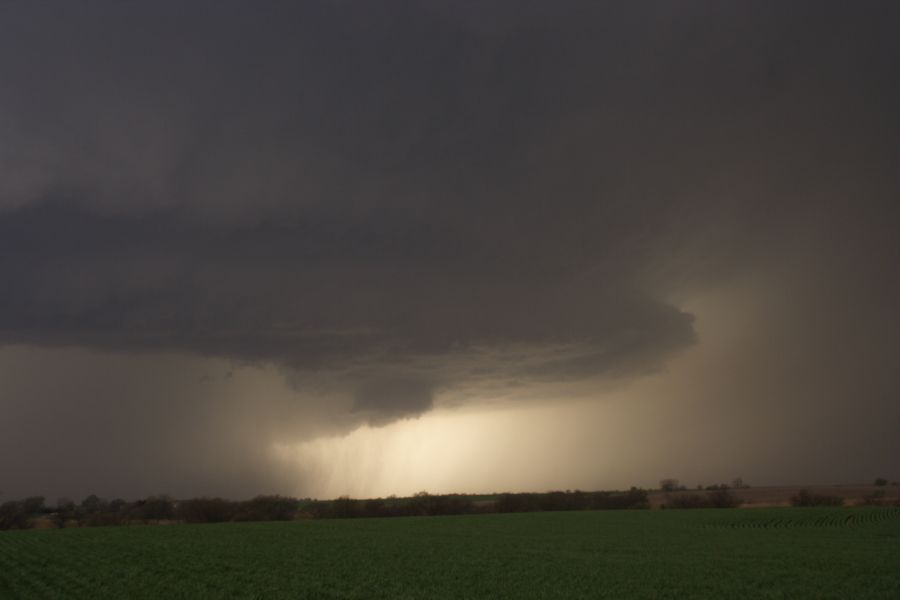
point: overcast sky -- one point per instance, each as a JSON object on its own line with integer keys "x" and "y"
{"x": 332, "y": 247}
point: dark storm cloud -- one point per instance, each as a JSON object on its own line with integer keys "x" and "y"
{"x": 345, "y": 183}
{"x": 398, "y": 199}
{"x": 403, "y": 396}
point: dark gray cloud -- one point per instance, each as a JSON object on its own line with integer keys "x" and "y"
{"x": 402, "y": 395}
{"x": 400, "y": 201}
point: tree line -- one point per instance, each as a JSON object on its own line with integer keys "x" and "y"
{"x": 424, "y": 504}
{"x": 716, "y": 498}
{"x": 97, "y": 512}
{"x": 94, "y": 511}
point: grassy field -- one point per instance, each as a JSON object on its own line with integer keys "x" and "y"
{"x": 732, "y": 553}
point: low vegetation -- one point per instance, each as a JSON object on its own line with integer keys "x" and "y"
{"x": 97, "y": 512}
{"x": 739, "y": 554}
{"x": 94, "y": 511}
{"x": 807, "y": 498}
{"x": 718, "y": 498}
{"x": 19, "y": 514}
{"x": 577, "y": 500}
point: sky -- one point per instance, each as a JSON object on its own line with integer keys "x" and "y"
{"x": 340, "y": 247}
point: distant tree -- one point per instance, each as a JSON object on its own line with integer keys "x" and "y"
{"x": 880, "y": 481}
{"x": 104, "y": 518}
{"x": 507, "y": 503}
{"x": 738, "y": 483}
{"x": 33, "y": 505}
{"x": 92, "y": 504}
{"x": 17, "y": 514}
{"x": 346, "y": 507}
{"x": 65, "y": 512}
{"x": 156, "y": 508}
{"x": 669, "y": 485}
{"x": 717, "y": 498}
{"x": 206, "y": 510}
{"x": 374, "y": 507}
{"x": 687, "y": 501}
{"x": 722, "y": 498}
{"x": 806, "y": 498}
{"x": 267, "y": 508}
{"x": 633, "y": 498}
{"x": 876, "y": 498}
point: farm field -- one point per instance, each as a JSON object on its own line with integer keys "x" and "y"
{"x": 768, "y": 553}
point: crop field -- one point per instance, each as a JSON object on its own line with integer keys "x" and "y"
{"x": 790, "y": 553}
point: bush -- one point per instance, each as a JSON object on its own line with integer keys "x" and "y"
{"x": 33, "y": 505}
{"x": 428, "y": 505}
{"x": 154, "y": 508}
{"x": 633, "y": 498}
{"x": 375, "y": 507}
{"x": 422, "y": 504}
{"x": 13, "y": 515}
{"x": 510, "y": 503}
{"x": 267, "y": 508}
{"x": 18, "y": 514}
{"x": 687, "y": 501}
{"x": 577, "y": 500}
{"x": 342, "y": 508}
{"x": 720, "y": 498}
{"x": 65, "y": 512}
{"x": 876, "y": 498}
{"x": 104, "y": 519}
{"x": 206, "y": 510}
{"x": 806, "y": 498}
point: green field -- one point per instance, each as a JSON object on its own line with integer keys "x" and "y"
{"x": 733, "y": 553}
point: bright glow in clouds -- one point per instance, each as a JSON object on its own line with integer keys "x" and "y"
{"x": 633, "y": 435}
{"x": 444, "y": 451}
